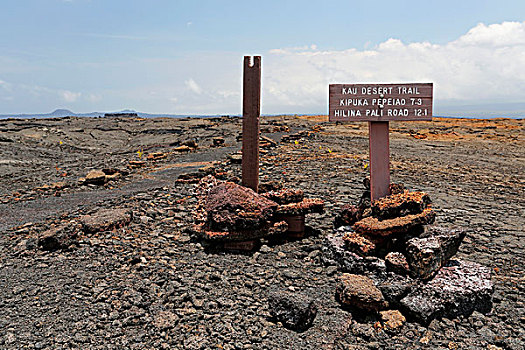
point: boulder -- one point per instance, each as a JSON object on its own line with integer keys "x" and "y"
{"x": 375, "y": 227}
{"x": 106, "y": 219}
{"x": 294, "y": 311}
{"x": 400, "y": 204}
{"x": 95, "y": 177}
{"x": 427, "y": 254}
{"x": 459, "y": 288}
{"x": 359, "y": 292}
{"x": 231, "y": 207}
{"x": 60, "y": 237}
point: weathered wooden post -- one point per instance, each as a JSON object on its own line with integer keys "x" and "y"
{"x": 251, "y": 111}
{"x": 379, "y": 148}
{"x": 378, "y": 104}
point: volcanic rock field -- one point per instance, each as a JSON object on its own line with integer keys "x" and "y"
{"x": 99, "y": 247}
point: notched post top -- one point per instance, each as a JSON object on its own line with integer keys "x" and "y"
{"x": 252, "y": 62}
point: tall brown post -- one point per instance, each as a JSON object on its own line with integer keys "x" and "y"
{"x": 251, "y": 107}
{"x": 379, "y": 159}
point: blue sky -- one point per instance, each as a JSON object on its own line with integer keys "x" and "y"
{"x": 186, "y": 56}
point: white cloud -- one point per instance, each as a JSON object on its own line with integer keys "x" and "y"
{"x": 5, "y": 85}
{"x": 484, "y": 65}
{"x": 69, "y": 96}
{"x": 93, "y": 97}
{"x": 193, "y": 86}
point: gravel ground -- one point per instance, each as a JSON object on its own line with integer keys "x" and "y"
{"x": 151, "y": 285}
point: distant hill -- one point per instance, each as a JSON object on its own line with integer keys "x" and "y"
{"x": 62, "y": 112}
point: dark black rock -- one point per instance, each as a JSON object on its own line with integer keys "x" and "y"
{"x": 459, "y": 288}
{"x": 334, "y": 253}
{"x": 61, "y": 237}
{"x": 393, "y": 286}
{"x": 427, "y": 254}
{"x": 295, "y": 311}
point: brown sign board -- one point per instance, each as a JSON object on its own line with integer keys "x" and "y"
{"x": 380, "y": 102}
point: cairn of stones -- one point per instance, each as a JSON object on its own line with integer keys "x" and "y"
{"x": 236, "y": 217}
{"x": 395, "y": 265}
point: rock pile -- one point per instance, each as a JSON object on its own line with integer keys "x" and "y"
{"x": 391, "y": 262}
{"x": 228, "y": 212}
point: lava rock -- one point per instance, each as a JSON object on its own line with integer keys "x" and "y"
{"x": 360, "y": 292}
{"x": 306, "y": 206}
{"x": 359, "y": 244}
{"x": 335, "y": 253}
{"x": 235, "y": 158}
{"x": 400, "y": 204}
{"x": 218, "y": 141}
{"x": 231, "y": 207}
{"x": 397, "y": 262}
{"x": 60, "y": 237}
{"x": 459, "y": 288}
{"x": 295, "y": 311}
{"x": 392, "y": 319}
{"x": 285, "y": 196}
{"x": 394, "y": 287}
{"x": 348, "y": 216}
{"x": 374, "y": 227}
{"x": 95, "y": 177}
{"x": 270, "y": 229}
{"x": 426, "y": 255}
{"x": 106, "y": 219}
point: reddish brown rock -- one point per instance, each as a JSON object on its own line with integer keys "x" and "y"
{"x": 157, "y": 155}
{"x": 95, "y": 177}
{"x": 359, "y": 292}
{"x": 285, "y": 196}
{"x": 308, "y": 205}
{"x": 106, "y": 219}
{"x": 242, "y": 235}
{"x": 231, "y": 207}
{"x": 359, "y": 244}
{"x": 348, "y": 216}
{"x": 400, "y": 204}
{"x": 374, "y": 227}
{"x": 133, "y": 164}
{"x": 182, "y": 148}
{"x": 396, "y": 262}
{"x": 396, "y": 188}
{"x": 392, "y": 319}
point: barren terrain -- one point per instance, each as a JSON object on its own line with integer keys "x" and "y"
{"x": 149, "y": 284}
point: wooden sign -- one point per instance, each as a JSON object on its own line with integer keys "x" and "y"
{"x": 380, "y": 102}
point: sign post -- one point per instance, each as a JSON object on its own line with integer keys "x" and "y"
{"x": 251, "y": 105}
{"x": 378, "y": 104}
